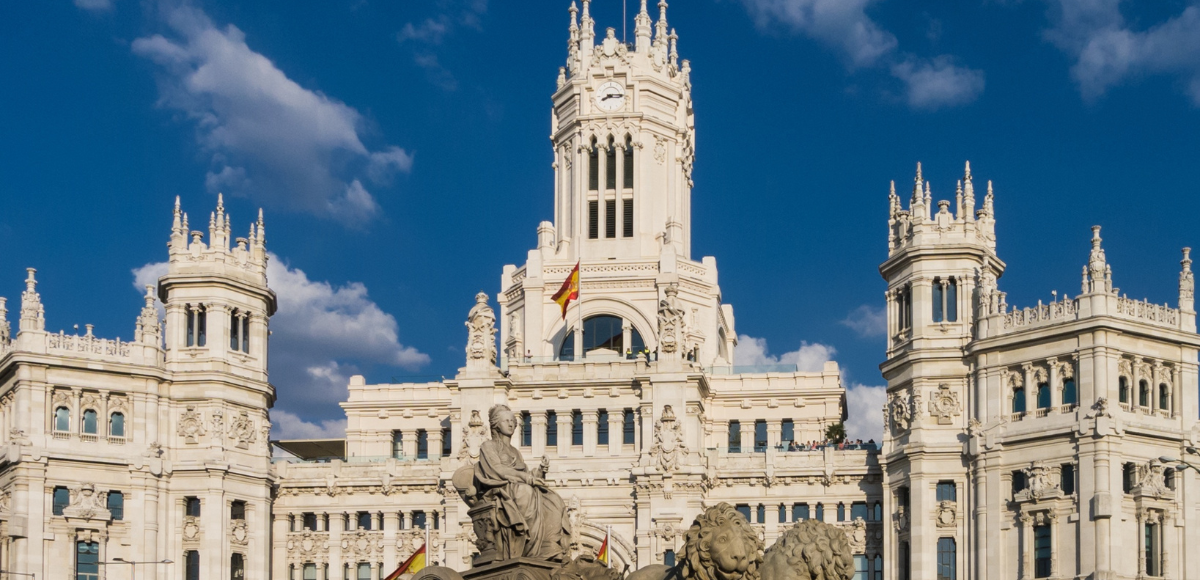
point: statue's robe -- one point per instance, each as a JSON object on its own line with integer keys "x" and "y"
{"x": 532, "y": 519}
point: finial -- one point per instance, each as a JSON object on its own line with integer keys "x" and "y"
{"x": 958, "y": 189}
{"x": 177, "y": 204}
{"x": 149, "y": 295}
{"x": 967, "y": 172}
{"x": 220, "y": 202}
{"x": 892, "y": 188}
{"x": 1096, "y": 237}
{"x": 30, "y": 279}
{"x": 918, "y": 178}
{"x": 574, "y": 16}
{"x": 1187, "y": 259}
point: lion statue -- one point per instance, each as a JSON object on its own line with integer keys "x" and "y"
{"x": 720, "y": 545}
{"x": 810, "y": 550}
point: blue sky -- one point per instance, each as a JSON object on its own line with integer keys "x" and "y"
{"x": 401, "y": 153}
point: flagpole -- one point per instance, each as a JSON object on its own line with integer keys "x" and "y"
{"x": 608, "y": 546}
{"x": 427, "y": 542}
{"x": 579, "y": 305}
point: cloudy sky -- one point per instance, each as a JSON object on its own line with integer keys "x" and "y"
{"x": 400, "y": 151}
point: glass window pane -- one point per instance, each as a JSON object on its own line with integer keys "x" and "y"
{"x": 62, "y": 499}
{"x": 62, "y": 419}
{"x": 89, "y": 422}
{"x": 947, "y": 567}
{"x": 735, "y": 436}
{"x": 310, "y": 572}
{"x": 526, "y": 429}
{"x": 760, "y": 436}
{"x": 860, "y": 567}
{"x": 191, "y": 565}
{"x": 610, "y": 167}
{"x": 1069, "y": 395}
{"x": 422, "y": 444}
{"x": 788, "y": 431}
{"x": 799, "y": 512}
{"x": 576, "y": 427}
{"x": 116, "y": 426}
{"x": 602, "y": 427}
{"x": 364, "y": 571}
{"x": 858, "y": 511}
{"x": 397, "y": 444}
{"x": 628, "y": 178}
{"x": 937, "y": 301}
{"x": 1042, "y": 551}
{"x": 551, "y": 428}
{"x": 116, "y": 505}
{"x": 744, "y": 509}
{"x": 628, "y": 427}
{"x": 87, "y": 558}
{"x": 1043, "y": 395}
{"x": 952, "y": 301}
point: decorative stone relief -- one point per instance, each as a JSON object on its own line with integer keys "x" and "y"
{"x": 363, "y": 544}
{"x": 660, "y": 150}
{"x": 238, "y": 532}
{"x": 242, "y": 429}
{"x": 191, "y": 529}
{"x": 1151, "y": 479}
{"x": 308, "y": 545}
{"x": 87, "y": 503}
{"x": 670, "y": 321}
{"x": 669, "y": 450}
{"x": 473, "y": 435}
{"x": 217, "y": 417}
{"x": 515, "y": 345}
{"x": 944, "y": 405}
{"x": 1040, "y": 484}
{"x": 947, "y": 514}
{"x": 5, "y": 502}
{"x": 191, "y": 425}
{"x": 900, "y": 413}
{"x": 481, "y": 334}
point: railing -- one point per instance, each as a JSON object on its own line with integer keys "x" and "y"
{"x": 356, "y": 459}
{"x": 754, "y": 369}
{"x": 87, "y": 344}
{"x": 62, "y": 435}
{"x": 1042, "y": 412}
{"x": 1144, "y": 310}
{"x": 1018, "y": 416}
{"x": 1125, "y": 407}
{"x": 799, "y": 448}
{"x": 1059, "y": 310}
{"x": 116, "y": 440}
{"x": 1068, "y": 408}
{"x": 88, "y": 437}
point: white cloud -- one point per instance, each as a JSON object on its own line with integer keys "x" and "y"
{"x": 936, "y": 83}
{"x": 432, "y": 31}
{"x": 285, "y": 425}
{"x": 866, "y": 320}
{"x": 1107, "y": 51}
{"x": 865, "y": 409}
{"x": 269, "y": 137}
{"x": 94, "y": 5}
{"x": 845, "y": 27}
{"x": 319, "y": 335}
{"x": 810, "y": 357}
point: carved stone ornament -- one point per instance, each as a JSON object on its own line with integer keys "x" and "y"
{"x": 242, "y": 429}
{"x": 947, "y": 514}
{"x": 87, "y": 503}
{"x": 669, "y": 450}
{"x": 481, "y": 334}
{"x": 5, "y": 502}
{"x": 660, "y": 150}
{"x": 238, "y": 532}
{"x": 1039, "y": 485}
{"x": 307, "y": 545}
{"x": 191, "y": 425}
{"x": 856, "y": 535}
{"x": 1151, "y": 479}
{"x": 363, "y": 544}
{"x": 900, "y": 414}
{"x": 191, "y": 528}
{"x": 474, "y": 434}
{"x": 670, "y": 321}
{"x": 944, "y": 405}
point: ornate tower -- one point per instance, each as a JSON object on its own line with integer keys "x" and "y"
{"x": 935, "y": 263}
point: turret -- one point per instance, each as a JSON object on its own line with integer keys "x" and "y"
{"x": 641, "y": 29}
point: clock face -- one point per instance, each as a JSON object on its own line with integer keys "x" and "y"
{"x": 610, "y": 96}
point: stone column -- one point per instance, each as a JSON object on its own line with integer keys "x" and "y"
{"x": 747, "y": 436}
{"x": 279, "y": 556}
{"x": 1055, "y": 385}
{"x": 1140, "y": 535}
{"x": 434, "y": 438}
{"x": 391, "y": 525}
{"x": 409, "y": 443}
{"x": 590, "y": 419}
{"x": 1026, "y": 546}
{"x": 774, "y": 434}
{"x": 564, "y": 434}
{"x": 626, "y": 328}
{"x": 539, "y": 433}
{"x": 375, "y": 571}
{"x": 337, "y": 526}
{"x": 616, "y": 431}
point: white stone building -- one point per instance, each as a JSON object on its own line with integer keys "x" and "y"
{"x": 145, "y": 450}
{"x": 1018, "y": 443}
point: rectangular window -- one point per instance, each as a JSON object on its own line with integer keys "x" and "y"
{"x": 191, "y": 325}
{"x": 947, "y": 559}
{"x": 1018, "y": 402}
{"x": 576, "y": 427}
{"x": 235, "y": 328}
{"x": 628, "y": 177}
{"x": 237, "y": 567}
{"x": 841, "y": 512}
{"x": 858, "y": 511}
{"x": 1128, "y": 477}
{"x": 627, "y": 217}
{"x": 1018, "y": 481}
{"x": 735, "y": 436}
{"x": 610, "y": 167}
{"x": 799, "y": 512}
{"x": 364, "y": 571}
{"x": 782, "y": 514}
{"x": 1068, "y": 478}
{"x": 602, "y": 427}
{"x": 860, "y": 567}
{"x": 551, "y": 428}
{"x": 191, "y": 565}
{"x": 760, "y": 436}
{"x": 1069, "y": 395}
{"x": 246, "y": 333}
{"x": 237, "y": 510}
{"x": 310, "y": 571}
{"x": 1152, "y": 551}
{"x": 1041, "y": 551}
{"x": 422, "y": 444}
{"x": 116, "y": 505}
{"x": 593, "y": 219}
{"x": 309, "y": 521}
{"x": 669, "y": 558}
{"x": 191, "y": 506}
{"x": 362, "y": 521}
{"x": 526, "y": 429}
{"x": 1043, "y": 395}
{"x": 938, "y": 300}
{"x": 744, "y": 509}
{"x": 788, "y": 431}
{"x": 760, "y": 516}
{"x": 397, "y": 444}
{"x": 87, "y": 561}
{"x": 952, "y": 300}
{"x": 446, "y": 442}
{"x": 905, "y": 557}
{"x": 419, "y": 520}
{"x": 877, "y": 573}
{"x": 62, "y": 499}
{"x": 201, "y": 327}
{"x": 820, "y": 512}
{"x": 628, "y": 429}
{"x": 947, "y": 491}
{"x": 593, "y": 169}
{"x": 610, "y": 218}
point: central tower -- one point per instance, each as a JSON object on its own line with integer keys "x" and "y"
{"x": 624, "y": 141}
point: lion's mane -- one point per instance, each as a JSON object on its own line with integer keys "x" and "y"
{"x": 697, "y": 562}
{"x": 810, "y": 549}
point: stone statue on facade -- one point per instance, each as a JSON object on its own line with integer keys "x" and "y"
{"x": 670, "y": 321}
{"x": 481, "y": 334}
{"x": 810, "y": 550}
{"x": 669, "y": 449}
{"x": 513, "y": 512}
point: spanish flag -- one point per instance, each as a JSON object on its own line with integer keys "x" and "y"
{"x": 415, "y": 563}
{"x": 602, "y": 554}
{"x": 569, "y": 291}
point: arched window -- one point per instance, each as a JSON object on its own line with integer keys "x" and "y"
{"x": 1143, "y": 393}
{"x": 364, "y": 571}
{"x": 1043, "y": 395}
{"x": 191, "y": 565}
{"x": 1018, "y": 400}
{"x": 610, "y": 165}
{"x": 952, "y": 300}
{"x": 1069, "y": 395}
{"x": 939, "y": 300}
{"x": 593, "y": 167}
{"x": 62, "y": 419}
{"x": 1124, "y": 390}
{"x": 116, "y": 425}
{"x": 628, "y": 178}
{"x": 878, "y": 512}
{"x": 235, "y": 331}
{"x": 602, "y": 332}
{"x": 87, "y": 560}
{"x": 627, "y": 197}
{"x": 878, "y": 570}
{"x": 1164, "y": 396}
{"x": 89, "y": 422}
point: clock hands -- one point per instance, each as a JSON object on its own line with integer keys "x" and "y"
{"x": 611, "y": 96}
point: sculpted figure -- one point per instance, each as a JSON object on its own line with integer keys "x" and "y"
{"x": 513, "y": 513}
{"x": 811, "y": 550}
{"x": 720, "y": 545}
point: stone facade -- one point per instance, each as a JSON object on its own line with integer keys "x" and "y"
{"x": 151, "y": 449}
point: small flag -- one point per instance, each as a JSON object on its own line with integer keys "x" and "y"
{"x": 415, "y": 563}
{"x": 569, "y": 291}
{"x": 602, "y": 555}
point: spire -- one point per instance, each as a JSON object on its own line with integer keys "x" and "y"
{"x": 641, "y": 29}
{"x": 893, "y": 200}
{"x": 968, "y": 201}
{"x": 176, "y": 223}
{"x": 1187, "y": 283}
{"x": 147, "y": 328}
{"x": 589, "y": 30}
{"x": 988, "y": 200}
{"x": 660, "y": 27}
{"x": 5, "y": 329}
{"x": 32, "y": 312}
{"x": 673, "y": 58}
{"x": 958, "y": 199}
{"x": 928, "y": 196}
{"x": 1098, "y": 270}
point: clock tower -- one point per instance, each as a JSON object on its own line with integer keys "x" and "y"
{"x": 623, "y": 134}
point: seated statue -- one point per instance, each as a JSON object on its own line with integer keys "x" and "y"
{"x": 512, "y": 511}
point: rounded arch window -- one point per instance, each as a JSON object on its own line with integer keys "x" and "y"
{"x": 62, "y": 419}
{"x": 89, "y": 422}
{"x": 602, "y": 332}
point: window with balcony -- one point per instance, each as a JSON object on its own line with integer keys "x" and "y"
{"x": 62, "y": 419}
{"x": 799, "y": 512}
{"x": 308, "y": 521}
{"x": 760, "y": 436}
{"x": 1069, "y": 395}
{"x": 1043, "y": 395}
{"x": 1143, "y": 394}
{"x": 787, "y": 432}
{"x": 362, "y": 521}
{"x": 1018, "y": 400}
{"x": 89, "y": 426}
{"x": 1164, "y": 397}
{"x": 419, "y": 520}
{"x": 116, "y": 425}
{"x": 1123, "y": 395}
{"x": 397, "y": 444}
